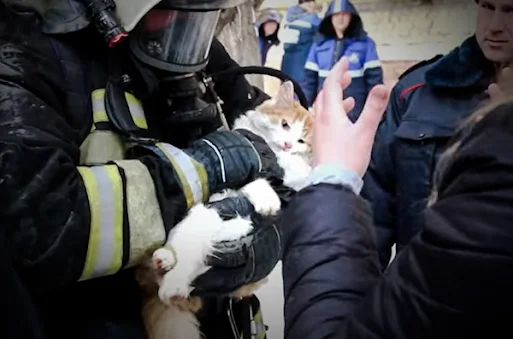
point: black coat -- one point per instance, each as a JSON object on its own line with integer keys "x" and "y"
{"x": 452, "y": 281}
{"x": 426, "y": 105}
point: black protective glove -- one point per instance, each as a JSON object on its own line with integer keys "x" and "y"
{"x": 247, "y": 260}
{"x": 234, "y": 158}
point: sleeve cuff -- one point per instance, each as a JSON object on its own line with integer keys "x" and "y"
{"x": 335, "y": 175}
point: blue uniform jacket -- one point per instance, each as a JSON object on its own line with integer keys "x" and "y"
{"x": 364, "y": 64}
{"x": 297, "y": 36}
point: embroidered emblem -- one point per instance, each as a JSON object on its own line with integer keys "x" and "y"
{"x": 354, "y": 58}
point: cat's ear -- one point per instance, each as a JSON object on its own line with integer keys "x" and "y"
{"x": 285, "y": 96}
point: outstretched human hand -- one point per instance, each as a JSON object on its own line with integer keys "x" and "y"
{"x": 336, "y": 140}
{"x": 503, "y": 86}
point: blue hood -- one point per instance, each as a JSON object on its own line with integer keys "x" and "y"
{"x": 355, "y": 29}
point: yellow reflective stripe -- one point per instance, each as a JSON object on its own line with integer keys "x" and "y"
{"x": 104, "y": 189}
{"x": 100, "y": 116}
{"x": 202, "y": 174}
{"x": 259, "y": 325}
{"x": 98, "y": 94}
{"x": 192, "y": 175}
{"x": 136, "y": 110}
{"x": 134, "y": 105}
{"x": 147, "y": 231}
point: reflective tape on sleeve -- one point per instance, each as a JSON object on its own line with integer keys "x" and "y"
{"x": 312, "y": 66}
{"x": 372, "y": 64}
{"x": 136, "y": 110}
{"x": 104, "y": 187}
{"x": 134, "y": 105}
{"x": 258, "y": 326}
{"x": 145, "y": 221}
{"x": 192, "y": 175}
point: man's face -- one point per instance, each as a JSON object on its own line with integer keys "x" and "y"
{"x": 340, "y": 21}
{"x": 494, "y": 31}
{"x": 270, "y": 27}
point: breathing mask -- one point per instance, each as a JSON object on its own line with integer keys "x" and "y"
{"x": 170, "y": 41}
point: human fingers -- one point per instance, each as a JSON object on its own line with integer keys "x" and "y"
{"x": 507, "y": 73}
{"x": 494, "y": 91}
{"x": 349, "y": 104}
{"x": 332, "y": 91}
{"x": 317, "y": 105}
{"x": 373, "y": 110}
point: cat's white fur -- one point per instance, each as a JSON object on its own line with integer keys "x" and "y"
{"x": 193, "y": 238}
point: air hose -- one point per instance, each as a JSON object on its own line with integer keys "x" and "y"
{"x": 265, "y": 71}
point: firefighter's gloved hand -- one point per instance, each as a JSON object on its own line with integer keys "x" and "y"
{"x": 250, "y": 259}
{"x": 237, "y": 263}
{"x": 233, "y": 158}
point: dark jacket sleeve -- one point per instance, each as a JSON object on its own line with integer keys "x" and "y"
{"x": 329, "y": 260}
{"x": 379, "y": 181}
{"x": 234, "y": 90}
{"x": 452, "y": 281}
{"x": 68, "y": 222}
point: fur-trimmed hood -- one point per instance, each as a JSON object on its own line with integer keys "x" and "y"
{"x": 464, "y": 66}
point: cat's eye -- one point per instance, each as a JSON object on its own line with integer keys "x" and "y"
{"x": 301, "y": 141}
{"x": 285, "y": 124}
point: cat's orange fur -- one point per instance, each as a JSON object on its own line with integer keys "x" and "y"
{"x": 291, "y": 115}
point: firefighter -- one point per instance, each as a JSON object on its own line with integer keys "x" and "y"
{"x": 109, "y": 134}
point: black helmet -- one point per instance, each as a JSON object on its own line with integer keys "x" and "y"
{"x": 130, "y": 12}
{"x": 172, "y": 35}
{"x": 203, "y": 4}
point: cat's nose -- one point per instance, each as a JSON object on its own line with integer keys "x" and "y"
{"x": 287, "y": 145}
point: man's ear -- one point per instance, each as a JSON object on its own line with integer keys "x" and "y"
{"x": 285, "y": 96}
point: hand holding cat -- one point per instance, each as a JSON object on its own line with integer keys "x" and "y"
{"x": 336, "y": 140}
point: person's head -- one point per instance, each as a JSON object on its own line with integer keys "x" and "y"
{"x": 341, "y": 21}
{"x": 308, "y": 5}
{"x": 268, "y": 24}
{"x": 494, "y": 30}
{"x": 269, "y": 27}
{"x": 161, "y": 31}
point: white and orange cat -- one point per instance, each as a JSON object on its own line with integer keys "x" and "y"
{"x": 169, "y": 311}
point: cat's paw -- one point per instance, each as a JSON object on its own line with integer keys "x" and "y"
{"x": 174, "y": 285}
{"x": 163, "y": 259}
{"x": 233, "y": 229}
{"x": 262, "y": 196}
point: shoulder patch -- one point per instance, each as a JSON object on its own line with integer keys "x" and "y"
{"x": 420, "y": 64}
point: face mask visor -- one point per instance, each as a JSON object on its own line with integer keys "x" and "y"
{"x": 174, "y": 40}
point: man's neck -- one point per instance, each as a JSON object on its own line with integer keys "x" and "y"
{"x": 340, "y": 34}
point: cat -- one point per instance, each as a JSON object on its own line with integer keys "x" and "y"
{"x": 169, "y": 311}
